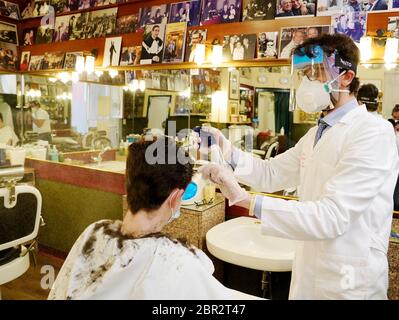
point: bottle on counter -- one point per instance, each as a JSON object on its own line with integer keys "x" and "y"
{"x": 54, "y": 156}
{"x": 121, "y": 150}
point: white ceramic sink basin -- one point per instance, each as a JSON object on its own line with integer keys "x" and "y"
{"x": 114, "y": 166}
{"x": 239, "y": 241}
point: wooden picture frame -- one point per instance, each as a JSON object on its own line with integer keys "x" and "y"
{"x": 234, "y": 85}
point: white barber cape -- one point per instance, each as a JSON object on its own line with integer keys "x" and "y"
{"x": 104, "y": 265}
{"x": 343, "y": 219}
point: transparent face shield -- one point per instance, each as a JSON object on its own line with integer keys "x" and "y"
{"x": 315, "y": 82}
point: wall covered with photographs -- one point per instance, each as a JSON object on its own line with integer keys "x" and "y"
{"x": 128, "y": 33}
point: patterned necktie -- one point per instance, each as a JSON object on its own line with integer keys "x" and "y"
{"x": 322, "y": 126}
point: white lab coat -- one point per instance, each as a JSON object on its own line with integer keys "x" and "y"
{"x": 103, "y": 265}
{"x": 343, "y": 219}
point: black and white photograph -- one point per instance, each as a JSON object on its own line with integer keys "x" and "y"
{"x": 24, "y": 64}
{"x": 329, "y": 7}
{"x": 239, "y": 47}
{"x": 126, "y": 24}
{"x": 153, "y": 44}
{"x": 60, "y": 6}
{"x": 40, "y": 8}
{"x": 267, "y": 45}
{"x": 73, "y": 5}
{"x": 76, "y": 26}
{"x": 8, "y": 56}
{"x": 292, "y": 37}
{"x": 53, "y": 60}
{"x": 352, "y": 24}
{"x": 153, "y": 15}
{"x": 194, "y": 37}
{"x": 8, "y": 33}
{"x": 112, "y": 51}
{"x": 9, "y": 10}
{"x": 29, "y": 36}
{"x": 70, "y": 59}
{"x": 130, "y": 56}
{"x": 258, "y": 10}
{"x": 220, "y": 11}
{"x": 393, "y": 26}
{"x": 44, "y": 34}
{"x": 187, "y": 11}
{"x": 61, "y": 30}
{"x": 35, "y": 63}
{"x": 295, "y": 8}
{"x": 99, "y": 23}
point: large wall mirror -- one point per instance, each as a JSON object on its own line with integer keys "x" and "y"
{"x": 102, "y": 110}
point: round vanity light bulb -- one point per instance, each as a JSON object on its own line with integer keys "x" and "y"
{"x": 142, "y": 85}
{"x": 75, "y": 77}
{"x": 64, "y": 77}
{"x": 89, "y": 65}
{"x": 113, "y": 73}
{"x": 80, "y": 64}
{"x": 99, "y": 73}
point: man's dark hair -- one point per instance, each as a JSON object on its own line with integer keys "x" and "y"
{"x": 149, "y": 185}
{"x": 395, "y": 108}
{"x": 330, "y": 43}
{"x": 1, "y": 117}
{"x": 368, "y": 94}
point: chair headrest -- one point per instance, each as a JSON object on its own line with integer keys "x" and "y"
{"x": 11, "y": 173}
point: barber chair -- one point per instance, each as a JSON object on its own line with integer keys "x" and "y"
{"x": 20, "y": 218}
{"x": 267, "y": 150}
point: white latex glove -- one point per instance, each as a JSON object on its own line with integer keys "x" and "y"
{"x": 223, "y": 143}
{"x": 226, "y": 182}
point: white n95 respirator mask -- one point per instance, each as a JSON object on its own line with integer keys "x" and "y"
{"x": 311, "y": 96}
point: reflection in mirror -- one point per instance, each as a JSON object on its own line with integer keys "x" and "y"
{"x": 103, "y": 109}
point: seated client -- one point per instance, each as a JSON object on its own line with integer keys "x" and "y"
{"x": 132, "y": 259}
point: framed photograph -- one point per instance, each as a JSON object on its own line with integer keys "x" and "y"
{"x": 234, "y": 107}
{"x": 130, "y": 56}
{"x": 393, "y": 26}
{"x": 239, "y": 47}
{"x": 8, "y": 33}
{"x": 112, "y": 51}
{"x": 35, "y": 63}
{"x": 9, "y": 10}
{"x": 395, "y": 5}
{"x": 152, "y": 44}
{"x": 99, "y": 23}
{"x": 258, "y": 10}
{"x": 130, "y": 75}
{"x": 43, "y": 90}
{"x": 234, "y": 85}
{"x": 26, "y": 8}
{"x": 126, "y": 24}
{"x": 295, "y": 8}
{"x": 351, "y": 24}
{"x": 40, "y": 8}
{"x": 292, "y": 37}
{"x": 187, "y": 11}
{"x": 175, "y": 42}
{"x": 61, "y": 30}
{"x": 376, "y": 5}
{"x": 76, "y": 26}
{"x": 267, "y": 45}
{"x": 70, "y": 59}
{"x": 24, "y": 64}
{"x": 73, "y": 5}
{"x": 194, "y": 37}
{"x": 329, "y": 7}
{"x": 8, "y": 56}
{"x": 53, "y": 60}
{"x": 153, "y": 15}
{"x": 60, "y": 6}
{"x": 220, "y": 11}
{"x": 29, "y": 36}
{"x": 45, "y": 34}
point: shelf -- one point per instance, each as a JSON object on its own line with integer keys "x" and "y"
{"x": 204, "y": 120}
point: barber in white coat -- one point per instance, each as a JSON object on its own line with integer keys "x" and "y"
{"x": 345, "y": 170}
